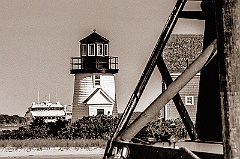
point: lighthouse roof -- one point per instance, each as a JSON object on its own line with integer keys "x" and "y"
{"x": 94, "y": 37}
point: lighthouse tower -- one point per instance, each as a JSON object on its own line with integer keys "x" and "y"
{"x": 94, "y": 86}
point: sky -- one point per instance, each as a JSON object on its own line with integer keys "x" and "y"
{"x": 38, "y": 38}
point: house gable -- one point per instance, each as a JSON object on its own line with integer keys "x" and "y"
{"x": 99, "y": 97}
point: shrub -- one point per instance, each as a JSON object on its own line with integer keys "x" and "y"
{"x": 162, "y": 130}
{"x": 93, "y": 127}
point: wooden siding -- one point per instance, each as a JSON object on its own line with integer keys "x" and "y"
{"x": 106, "y": 108}
{"x": 84, "y": 87}
{"x": 191, "y": 89}
{"x": 108, "y": 84}
{"x": 79, "y": 111}
{"x": 115, "y": 110}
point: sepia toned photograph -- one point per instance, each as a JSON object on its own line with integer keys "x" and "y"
{"x": 108, "y": 79}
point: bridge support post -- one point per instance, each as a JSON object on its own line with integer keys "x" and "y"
{"x": 228, "y": 21}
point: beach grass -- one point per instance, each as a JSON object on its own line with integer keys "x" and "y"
{"x": 48, "y": 143}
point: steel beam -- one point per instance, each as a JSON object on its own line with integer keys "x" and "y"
{"x": 177, "y": 101}
{"x": 151, "y": 111}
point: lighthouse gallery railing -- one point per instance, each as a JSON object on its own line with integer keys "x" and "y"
{"x": 77, "y": 63}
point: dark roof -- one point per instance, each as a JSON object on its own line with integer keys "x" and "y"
{"x": 94, "y": 37}
{"x": 180, "y": 50}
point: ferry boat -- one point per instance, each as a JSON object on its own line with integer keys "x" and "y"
{"x": 49, "y": 112}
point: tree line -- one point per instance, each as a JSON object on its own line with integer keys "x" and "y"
{"x": 15, "y": 119}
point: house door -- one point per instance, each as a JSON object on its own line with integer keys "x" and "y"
{"x": 100, "y": 111}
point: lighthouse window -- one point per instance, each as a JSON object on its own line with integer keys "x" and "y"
{"x": 105, "y": 49}
{"x": 100, "y": 49}
{"x": 97, "y": 80}
{"x": 84, "y": 49}
{"x": 91, "y": 51}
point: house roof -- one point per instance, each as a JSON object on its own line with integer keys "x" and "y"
{"x": 99, "y": 96}
{"x": 94, "y": 37}
{"x": 181, "y": 50}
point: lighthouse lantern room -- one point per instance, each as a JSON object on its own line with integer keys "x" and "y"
{"x": 94, "y": 86}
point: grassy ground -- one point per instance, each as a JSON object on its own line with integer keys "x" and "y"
{"x": 47, "y": 143}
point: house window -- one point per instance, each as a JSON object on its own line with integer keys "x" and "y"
{"x": 189, "y": 100}
{"x": 100, "y": 111}
{"x": 91, "y": 51}
{"x": 99, "y": 49}
{"x": 84, "y": 49}
{"x": 97, "y": 80}
{"x": 105, "y": 49}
